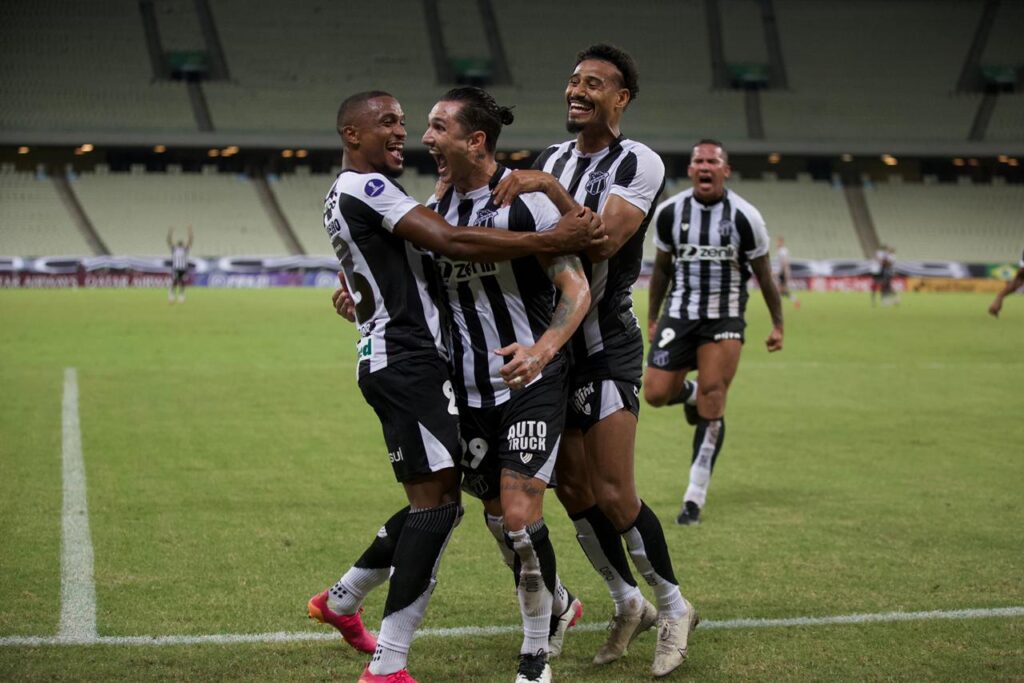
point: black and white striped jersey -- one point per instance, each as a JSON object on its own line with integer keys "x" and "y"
{"x": 390, "y": 279}
{"x": 712, "y": 247}
{"x": 491, "y": 305}
{"x": 179, "y": 257}
{"x": 634, "y": 172}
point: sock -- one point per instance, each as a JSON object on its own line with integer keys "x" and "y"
{"x": 707, "y": 442}
{"x": 560, "y": 597}
{"x": 603, "y": 547}
{"x": 687, "y": 395}
{"x": 535, "y": 574}
{"x": 416, "y": 558}
{"x": 646, "y": 543}
{"x": 371, "y": 570}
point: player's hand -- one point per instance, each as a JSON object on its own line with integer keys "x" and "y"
{"x": 994, "y": 309}
{"x": 343, "y": 303}
{"x": 774, "y": 341}
{"x": 441, "y": 188}
{"x": 526, "y": 364}
{"x": 578, "y": 231}
{"x": 520, "y": 182}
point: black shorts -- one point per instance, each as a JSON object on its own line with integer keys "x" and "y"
{"x": 178, "y": 278}
{"x": 590, "y": 402}
{"x": 675, "y": 343}
{"x": 521, "y": 434}
{"x": 415, "y": 402}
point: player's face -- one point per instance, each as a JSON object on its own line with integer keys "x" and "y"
{"x": 708, "y": 170}
{"x": 382, "y": 136}
{"x": 595, "y": 96}
{"x": 448, "y": 143}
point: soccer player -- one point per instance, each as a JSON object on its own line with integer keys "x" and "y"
{"x": 179, "y": 264}
{"x": 785, "y": 272}
{"x": 620, "y": 179}
{"x": 1012, "y": 286}
{"x": 374, "y": 227}
{"x": 709, "y": 239}
{"x": 507, "y": 364}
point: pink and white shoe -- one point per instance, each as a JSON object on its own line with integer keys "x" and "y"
{"x": 401, "y": 676}
{"x": 350, "y": 625}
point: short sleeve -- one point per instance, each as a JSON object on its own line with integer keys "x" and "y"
{"x": 640, "y": 179}
{"x": 753, "y": 233}
{"x": 664, "y": 218}
{"x": 545, "y": 213}
{"x": 386, "y": 198}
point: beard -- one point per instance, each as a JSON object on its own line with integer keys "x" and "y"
{"x": 573, "y": 127}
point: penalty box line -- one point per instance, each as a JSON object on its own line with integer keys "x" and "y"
{"x": 480, "y": 631}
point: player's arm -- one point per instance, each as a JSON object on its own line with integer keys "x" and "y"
{"x": 566, "y": 272}
{"x": 520, "y": 182}
{"x": 427, "y": 230}
{"x": 661, "y": 276}
{"x": 1012, "y": 286}
{"x": 621, "y": 220}
{"x": 190, "y": 236}
{"x": 344, "y": 305}
{"x": 762, "y": 268}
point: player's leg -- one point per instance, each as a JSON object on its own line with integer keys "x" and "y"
{"x": 717, "y": 363}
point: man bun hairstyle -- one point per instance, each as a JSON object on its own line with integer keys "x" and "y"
{"x": 350, "y": 107}
{"x": 479, "y": 111}
{"x": 618, "y": 58}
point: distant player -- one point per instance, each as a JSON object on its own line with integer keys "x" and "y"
{"x": 620, "y": 178}
{"x": 709, "y": 239}
{"x": 373, "y": 225}
{"x": 511, "y": 399}
{"x": 885, "y": 269}
{"x": 785, "y": 273}
{"x": 1012, "y": 286}
{"x": 179, "y": 264}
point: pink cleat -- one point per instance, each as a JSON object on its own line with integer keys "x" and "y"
{"x": 350, "y": 625}
{"x": 401, "y": 676}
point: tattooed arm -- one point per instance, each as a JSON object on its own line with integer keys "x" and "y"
{"x": 566, "y": 272}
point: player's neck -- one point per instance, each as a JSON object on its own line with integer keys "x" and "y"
{"x": 710, "y": 200}
{"x": 356, "y": 162}
{"x": 478, "y": 177}
{"x": 593, "y": 140}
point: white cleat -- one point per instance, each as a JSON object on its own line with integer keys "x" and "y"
{"x": 534, "y": 669}
{"x": 623, "y": 630}
{"x": 561, "y": 624}
{"x": 673, "y": 641}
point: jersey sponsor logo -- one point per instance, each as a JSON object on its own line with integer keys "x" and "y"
{"x": 528, "y": 435}
{"x": 364, "y": 348}
{"x": 693, "y": 252}
{"x": 373, "y": 187}
{"x": 728, "y": 335}
{"x": 485, "y": 218}
{"x": 597, "y": 181}
{"x": 659, "y": 357}
{"x": 395, "y": 456}
{"x": 580, "y": 399}
{"x": 726, "y": 228}
{"x": 464, "y": 271}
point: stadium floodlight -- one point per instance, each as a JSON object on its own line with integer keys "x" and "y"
{"x": 159, "y": 149}
{"x": 24, "y": 150}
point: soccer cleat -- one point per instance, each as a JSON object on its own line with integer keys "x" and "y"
{"x": 534, "y": 668}
{"x": 689, "y": 515}
{"x": 673, "y": 639}
{"x": 623, "y": 630}
{"x": 350, "y": 625}
{"x": 562, "y": 623}
{"x": 401, "y": 676}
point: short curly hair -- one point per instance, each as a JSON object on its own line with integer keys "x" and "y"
{"x": 618, "y": 58}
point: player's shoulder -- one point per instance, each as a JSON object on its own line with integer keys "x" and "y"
{"x": 638, "y": 148}
{"x": 677, "y": 199}
{"x": 742, "y": 205}
{"x": 366, "y": 186}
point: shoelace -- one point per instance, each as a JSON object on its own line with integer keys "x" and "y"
{"x": 532, "y": 666}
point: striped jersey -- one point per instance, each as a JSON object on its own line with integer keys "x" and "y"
{"x": 712, "y": 247}
{"x": 634, "y": 172}
{"x": 491, "y": 305}
{"x": 388, "y": 277}
{"x": 179, "y": 257}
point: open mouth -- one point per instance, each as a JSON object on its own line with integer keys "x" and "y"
{"x": 396, "y": 150}
{"x": 579, "y": 108}
{"x": 442, "y": 164}
{"x": 705, "y": 181}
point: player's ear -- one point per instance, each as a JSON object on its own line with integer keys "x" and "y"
{"x": 622, "y": 98}
{"x": 478, "y": 142}
{"x": 727, "y": 171}
{"x": 350, "y": 135}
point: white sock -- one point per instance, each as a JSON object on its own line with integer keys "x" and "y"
{"x": 348, "y": 594}
{"x": 534, "y": 597}
{"x": 667, "y": 596}
{"x": 627, "y": 598}
{"x": 494, "y": 525}
{"x": 396, "y": 633}
{"x": 700, "y": 470}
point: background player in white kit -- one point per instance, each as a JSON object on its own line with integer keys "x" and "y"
{"x": 621, "y": 179}
{"x": 708, "y": 240}
{"x": 785, "y": 271}
{"x": 179, "y": 264}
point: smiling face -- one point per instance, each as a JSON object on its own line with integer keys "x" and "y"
{"x": 595, "y": 96}
{"x": 708, "y": 170}
{"x": 456, "y": 151}
{"x": 379, "y": 135}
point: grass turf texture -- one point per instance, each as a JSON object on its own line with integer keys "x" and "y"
{"x": 233, "y": 470}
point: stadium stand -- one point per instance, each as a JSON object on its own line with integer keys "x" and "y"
{"x": 133, "y": 211}
{"x": 34, "y": 221}
{"x": 970, "y": 223}
{"x": 178, "y": 25}
{"x": 83, "y": 66}
{"x": 854, "y": 74}
{"x": 1007, "y": 123}
{"x": 743, "y": 32}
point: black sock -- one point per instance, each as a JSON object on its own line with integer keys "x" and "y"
{"x": 417, "y": 553}
{"x": 382, "y": 551}
{"x": 683, "y": 394}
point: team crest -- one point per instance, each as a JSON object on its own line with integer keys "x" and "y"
{"x": 659, "y": 358}
{"x": 684, "y": 227}
{"x": 726, "y": 229}
{"x": 597, "y": 182}
{"x": 485, "y": 217}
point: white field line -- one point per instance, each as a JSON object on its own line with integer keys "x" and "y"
{"x": 77, "y": 590}
{"x": 470, "y": 631}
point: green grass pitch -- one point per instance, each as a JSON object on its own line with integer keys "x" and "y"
{"x": 233, "y": 469}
